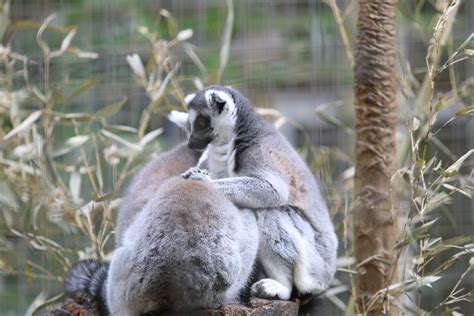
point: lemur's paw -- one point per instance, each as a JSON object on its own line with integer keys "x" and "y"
{"x": 195, "y": 173}
{"x": 270, "y": 289}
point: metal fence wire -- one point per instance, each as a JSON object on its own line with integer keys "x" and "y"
{"x": 285, "y": 54}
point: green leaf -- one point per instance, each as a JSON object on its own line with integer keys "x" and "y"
{"x": 103, "y": 197}
{"x": 350, "y": 307}
{"x": 440, "y": 104}
{"x": 171, "y": 22}
{"x": 34, "y": 25}
{"x": 84, "y": 86}
{"x": 110, "y": 109}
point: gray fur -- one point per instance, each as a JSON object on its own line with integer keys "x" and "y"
{"x": 148, "y": 180}
{"x": 189, "y": 248}
{"x": 261, "y": 171}
{"x": 90, "y": 276}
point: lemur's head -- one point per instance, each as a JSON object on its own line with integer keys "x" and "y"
{"x": 211, "y": 116}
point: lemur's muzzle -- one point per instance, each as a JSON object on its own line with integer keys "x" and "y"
{"x": 196, "y": 143}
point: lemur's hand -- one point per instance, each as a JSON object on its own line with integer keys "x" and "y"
{"x": 195, "y": 173}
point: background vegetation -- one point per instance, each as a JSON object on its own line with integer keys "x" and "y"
{"x": 84, "y": 93}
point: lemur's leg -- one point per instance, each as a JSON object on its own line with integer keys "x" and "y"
{"x": 277, "y": 252}
{"x": 312, "y": 273}
{"x": 289, "y": 255}
{"x": 265, "y": 191}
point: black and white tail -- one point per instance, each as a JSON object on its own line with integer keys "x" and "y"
{"x": 89, "y": 276}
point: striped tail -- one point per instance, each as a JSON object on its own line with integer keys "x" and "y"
{"x": 89, "y": 276}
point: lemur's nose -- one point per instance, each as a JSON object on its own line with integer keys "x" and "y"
{"x": 194, "y": 143}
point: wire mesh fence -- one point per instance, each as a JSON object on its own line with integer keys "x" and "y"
{"x": 285, "y": 54}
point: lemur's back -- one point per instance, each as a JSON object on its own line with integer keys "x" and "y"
{"x": 147, "y": 181}
{"x": 183, "y": 251}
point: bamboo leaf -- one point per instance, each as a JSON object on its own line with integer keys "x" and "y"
{"x": 350, "y": 307}
{"x": 333, "y": 121}
{"x": 24, "y": 125}
{"x": 120, "y": 140}
{"x": 65, "y": 44}
{"x": 415, "y": 124}
{"x": 455, "y": 189}
{"x": 157, "y": 96}
{"x": 34, "y": 25}
{"x": 150, "y": 136}
{"x": 226, "y": 39}
{"x": 110, "y": 109}
{"x": 466, "y": 111}
{"x": 40, "y": 95}
{"x": 457, "y": 165}
{"x": 82, "y": 54}
{"x": 421, "y": 282}
{"x": 39, "y": 34}
{"x": 468, "y": 52}
{"x": 136, "y": 64}
{"x": 84, "y": 86}
{"x": 71, "y": 144}
{"x": 123, "y": 128}
{"x": 172, "y": 26}
{"x": 184, "y": 35}
{"x": 66, "y": 117}
{"x": 75, "y": 186}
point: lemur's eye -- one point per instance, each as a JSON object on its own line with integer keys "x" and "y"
{"x": 201, "y": 122}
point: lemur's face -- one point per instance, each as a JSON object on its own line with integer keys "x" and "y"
{"x": 211, "y": 116}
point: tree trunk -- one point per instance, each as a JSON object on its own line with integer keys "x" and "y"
{"x": 375, "y": 89}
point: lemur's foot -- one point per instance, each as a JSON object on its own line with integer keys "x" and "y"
{"x": 195, "y": 173}
{"x": 270, "y": 289}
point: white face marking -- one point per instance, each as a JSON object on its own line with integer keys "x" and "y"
{"x": 179, "y": 118}
{"x": 230, "y": 106}
{"x": 191, "y": 116}
{"x": 189, "y": 98}
{"x": 225, "y": 122}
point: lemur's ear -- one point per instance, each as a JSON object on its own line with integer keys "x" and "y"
{"x": 180, "y": 119}
{"x": 218, "y": 102}
{"x": 189, "y": 98}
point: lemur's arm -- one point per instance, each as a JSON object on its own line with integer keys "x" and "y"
{"x": 263, "y": 191}
{"x": 253, "y": 192}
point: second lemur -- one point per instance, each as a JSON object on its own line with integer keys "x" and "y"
{"x": 255, "y": 166}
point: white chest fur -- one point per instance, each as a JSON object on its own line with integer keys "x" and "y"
{"x": 221, "y": 160}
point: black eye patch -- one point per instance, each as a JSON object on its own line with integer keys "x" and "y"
{"x": 202, "y": 122}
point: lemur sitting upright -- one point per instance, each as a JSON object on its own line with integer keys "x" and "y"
{"x": 255, "y": 166}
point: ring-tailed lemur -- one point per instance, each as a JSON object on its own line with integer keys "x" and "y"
{"x": 189, "y": 248}
{"x": 147, "y": 181}
{"x": 90, "y": 275}
{"x": 256, "y": 167}
{"x": 197, "y": 264}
